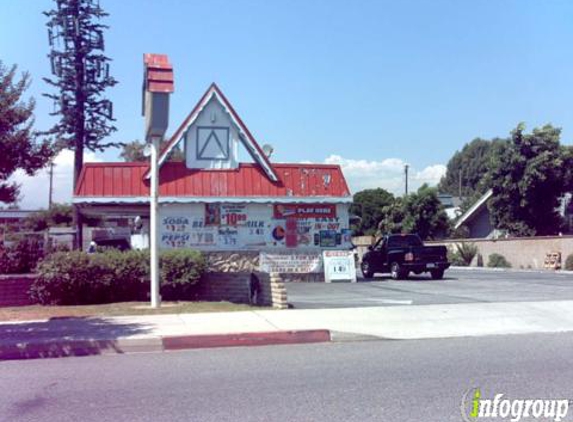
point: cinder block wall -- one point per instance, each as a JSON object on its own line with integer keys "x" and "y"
{"x": 14, "y": 289}
{"x": 522, "y": 253}
{"x": 236, "y": 287}
{"x": 228, "y": 286}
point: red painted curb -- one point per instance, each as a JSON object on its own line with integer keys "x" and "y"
{"x": 245, "y": 339}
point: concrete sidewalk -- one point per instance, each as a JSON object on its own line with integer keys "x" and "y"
{"x": 86, "y": 336}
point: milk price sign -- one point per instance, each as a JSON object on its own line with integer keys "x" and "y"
{"x": 339, "y": 266}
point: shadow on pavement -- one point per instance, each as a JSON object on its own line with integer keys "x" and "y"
{"x": 60, "y": 337}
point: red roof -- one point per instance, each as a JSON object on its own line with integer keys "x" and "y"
{"x": 124, "y": 180}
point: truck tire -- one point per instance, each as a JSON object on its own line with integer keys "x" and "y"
{"x": 366, "y": 269}
{"x": 397, "y": 272}
{"x": 437, "y": 274}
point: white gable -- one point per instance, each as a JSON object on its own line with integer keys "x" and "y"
{"x": 212, "y": 141}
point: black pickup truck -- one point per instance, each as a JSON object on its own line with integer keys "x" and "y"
{"x": 400, "y": 254}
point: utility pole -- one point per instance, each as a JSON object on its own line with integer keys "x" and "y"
{"x": 51, "y": 196}
{"x": 460, "y": 184}
{"x": 406, "y": 166}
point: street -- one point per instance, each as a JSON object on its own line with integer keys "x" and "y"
{"x": 358, "y": 381}
{"x": 458, "y": 286}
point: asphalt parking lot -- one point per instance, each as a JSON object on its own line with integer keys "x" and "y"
{"x": 458, "y": 286}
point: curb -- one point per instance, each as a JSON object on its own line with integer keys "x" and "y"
{"x": 246, "y": 339}
{"x": 56, "y": 348}
{"x": 512, "y": 270}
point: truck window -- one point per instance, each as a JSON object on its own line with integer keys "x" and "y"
{"x": 404, "y": 241}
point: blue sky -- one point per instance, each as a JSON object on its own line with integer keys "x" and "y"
{"x": 367, "y": 84}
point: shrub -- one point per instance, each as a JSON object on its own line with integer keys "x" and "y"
{"x": 180, "y": 271}
{"x": 569, "y": 262}
{"x": 496, "y": 260}
{"x": 467, "y": 252}
{"x": 455, "y": 259}
{"x": 21, "y": 257}
{"x": 75, "y": 278}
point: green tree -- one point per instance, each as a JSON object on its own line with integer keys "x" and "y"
{"x": 19, "y": 146}
{"x": 134, "y": 151}
{"x": 528, "y": 177}
{"x": 467, "y": 168}
{"x": 421, "y": 213}
{"x": 368, "y": 205}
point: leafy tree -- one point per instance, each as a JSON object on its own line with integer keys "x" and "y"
{"x": 81, "y": 75}
{"x": 19, "y": 148}
{"x": 420, "y": 212}
{"x": 469, "y": 166}
{"x": 528, "y": 177}
{"x": 368, "y": 205}
{"x": 134, "y": 151}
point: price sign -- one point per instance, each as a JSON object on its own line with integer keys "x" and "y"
{"x": 339, "y": 266}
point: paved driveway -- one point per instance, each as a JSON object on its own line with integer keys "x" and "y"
{"x": 458, "y": 286}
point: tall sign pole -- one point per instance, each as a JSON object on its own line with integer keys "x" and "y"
{"x": 153, "y": 226}
{"x": 157, "y": 86}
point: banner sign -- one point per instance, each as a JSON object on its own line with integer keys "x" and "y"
{"x": 290, "y": 262}
{"x": 304, "y": 210}
{"x": 339, "y": 266}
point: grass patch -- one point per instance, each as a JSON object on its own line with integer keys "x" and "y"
{"x": 35, "y": 312}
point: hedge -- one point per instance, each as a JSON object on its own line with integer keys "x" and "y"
{"x": 21, "y": 257}
{"x": 78, "y": 278}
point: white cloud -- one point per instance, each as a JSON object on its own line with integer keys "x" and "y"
{"x": 34, "y": 190}
{"x": 387, "y": 174}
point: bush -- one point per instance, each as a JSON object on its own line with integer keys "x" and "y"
{"x": 569, "y": 262}
{"x": 77, "y": 278}
{"x": 463, "y": 254}
{"x": 180, "y": 271}
{"x": 496, "y": 260}
{"x": 21, "y": 257}
{"x": 455, "y": 259}
{"x": 467, "y": 251}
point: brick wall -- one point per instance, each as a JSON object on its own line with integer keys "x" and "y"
{"x": 14, "y": 289}
{"x": 524, "y": 253}
{"x": 236, "y": 287}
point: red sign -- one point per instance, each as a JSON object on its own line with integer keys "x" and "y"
{"x": 304, "y": 211}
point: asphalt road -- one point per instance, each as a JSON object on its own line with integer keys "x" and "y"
{"x": 458, "y": 286}
{"x": 362, "y": 381}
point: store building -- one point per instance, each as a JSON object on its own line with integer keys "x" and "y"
{"x": 216, "y": 201}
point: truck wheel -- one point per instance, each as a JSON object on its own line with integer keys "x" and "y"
{"x": 397, "y": 272}
{"x": 437, "y": 274}
{"x": 366, "y": 269}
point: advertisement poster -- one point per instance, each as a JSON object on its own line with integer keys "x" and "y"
{"x": 290, "y": 262}
{"x": 327, "y": 238}
{"x": 339, "y": 266}
{"x": 212, "y": 214}
{"x": 304, "y": 211}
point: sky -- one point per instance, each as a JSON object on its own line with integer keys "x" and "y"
{"x": 369, "y": 85}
